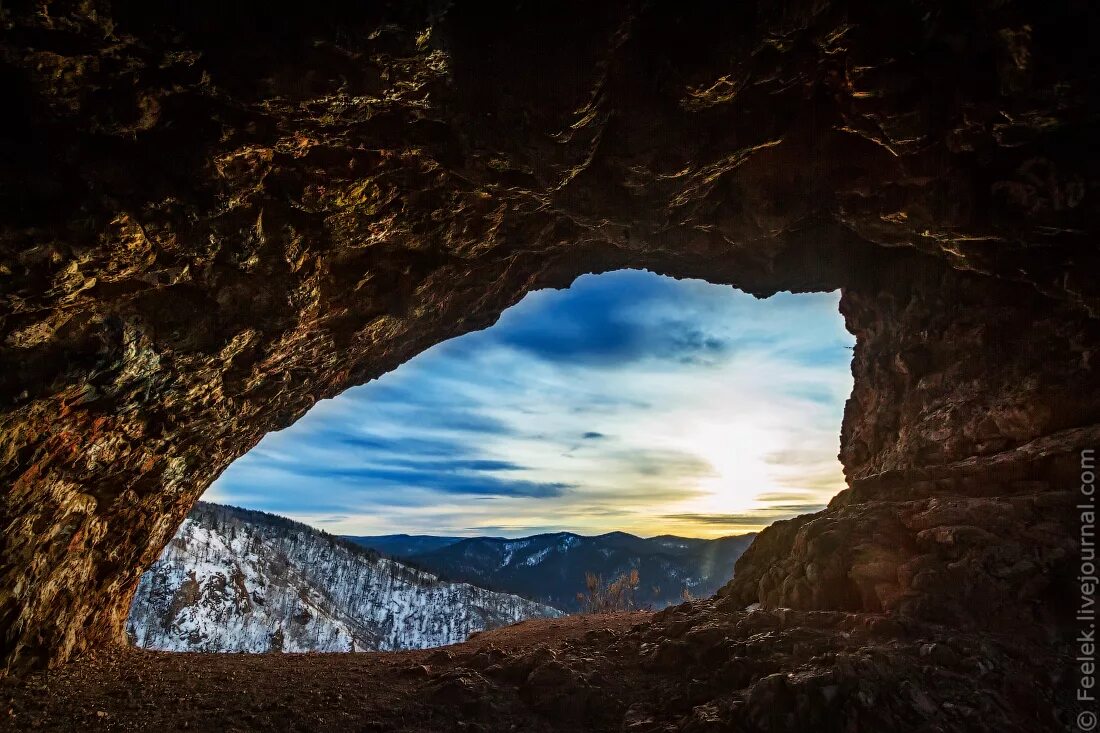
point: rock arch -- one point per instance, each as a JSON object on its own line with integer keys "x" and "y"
{"x": 215, "y": 216}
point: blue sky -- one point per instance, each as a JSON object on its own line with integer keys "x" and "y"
{"x": 629, "y": 402}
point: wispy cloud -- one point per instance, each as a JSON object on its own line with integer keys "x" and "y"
{"x": 753, "y": 519}
{"x": 629, "y": 401}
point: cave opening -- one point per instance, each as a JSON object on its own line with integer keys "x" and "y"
{"x": 631, "y": 421}
{"x": 217, "y": 218}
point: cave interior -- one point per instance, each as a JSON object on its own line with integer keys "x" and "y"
{"x": 215, "y": 215}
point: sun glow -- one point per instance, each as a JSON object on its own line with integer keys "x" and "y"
{"x": 628, "y": 402}
{"x": 738, "y": 453}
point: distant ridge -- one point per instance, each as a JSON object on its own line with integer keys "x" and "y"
{"x": 550, "y": 567}
{"x": 404, "y": 545}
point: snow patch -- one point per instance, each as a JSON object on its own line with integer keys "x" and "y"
{"x": 537, "y": 557}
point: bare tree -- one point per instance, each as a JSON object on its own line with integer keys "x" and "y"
{"x": 617, "y": 595}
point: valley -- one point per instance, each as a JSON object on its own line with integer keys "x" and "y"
{"x": 239, "y": 580}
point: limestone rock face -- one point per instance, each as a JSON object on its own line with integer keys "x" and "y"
{"x": 962, "y": 447}
{"x": 215, "y": 214}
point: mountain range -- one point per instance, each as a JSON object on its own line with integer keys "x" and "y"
{"x": 245, "y": 581}
{"x": 551, "y": 568}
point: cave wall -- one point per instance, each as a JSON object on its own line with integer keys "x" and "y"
{"x": 215, "y": 215}
{"x": 972, "y": 400}
{"x": 952, "y": 366}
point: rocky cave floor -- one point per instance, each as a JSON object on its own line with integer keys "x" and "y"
{"x": 700, "y": 666}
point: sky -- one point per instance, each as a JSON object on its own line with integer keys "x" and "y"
{"x": 630, "y": 401}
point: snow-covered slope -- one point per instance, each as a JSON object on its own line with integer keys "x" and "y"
{"x": 243, "y": 581}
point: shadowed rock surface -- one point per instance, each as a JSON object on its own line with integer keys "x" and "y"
{"x": 698, "y": 667}
{"x": 214, "y": 215}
